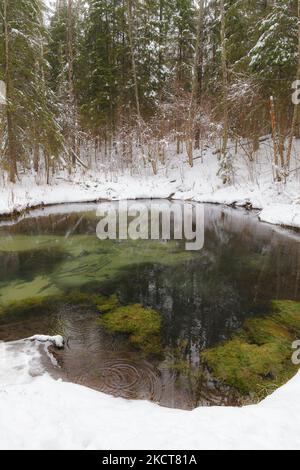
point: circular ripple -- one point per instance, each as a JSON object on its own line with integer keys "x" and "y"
{"x": 101, "y": 361}
{"x": 130, "y": 380}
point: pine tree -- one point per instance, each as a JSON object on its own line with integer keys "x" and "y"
{"x": 30, "y": 114}
{"x": 184, "y": 29}
{"x": 152, "y": 28}
{"x": 273, "y": 58}
{"x": 61, "y": 54}
{"x": 103, "y": 64}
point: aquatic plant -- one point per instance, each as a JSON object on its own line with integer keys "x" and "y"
{"x": 81, "y": 260}
{"x": 45, "y": 303}
{"x": 143, "y": 325}
{"x": 20, "y": 291}
{"x": 257, "y": 360}
{"x": 107, "y": 305}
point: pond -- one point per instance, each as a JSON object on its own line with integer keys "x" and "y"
{"x": 149, "y": 320}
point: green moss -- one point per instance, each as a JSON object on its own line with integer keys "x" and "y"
{"x": 88, "y": 259}
{"x": 19, "y": 291}
{"x": 107, "y": 305}
{"x": 82, "y": 298}
{"x": 258, "y": 358}
{"x": 23, "y": 243}
{"x": 44, "y": 303}
{"x": 30, "y": 305}
{"x": 288, "y": 314}
{"x": 143, "y": 326}
{"x": 105, "y": 260}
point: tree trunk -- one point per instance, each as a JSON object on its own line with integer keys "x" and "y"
{"x": 133, "y": 63}
{"x": 36, "y": 157}
{"x": 195, "y": 83}
{"x": 72, "y": 100}
{"x": 295, "y": 113}
{"x": 11, "y": 149}
{"x": 224, "y": 155}
{"x": 274, "y": 136}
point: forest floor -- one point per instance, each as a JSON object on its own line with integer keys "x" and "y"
{"x": 37, "y": 412}
{"x": 253, "y": 186}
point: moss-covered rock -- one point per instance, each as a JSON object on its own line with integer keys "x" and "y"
{"x": 107, "y": 305}
{"x": 257, "y": 360}
{"x": 143, "y": 325}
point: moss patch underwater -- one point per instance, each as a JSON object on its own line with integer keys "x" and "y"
{"x": 78, "y": 261}
{"x": 45, "y": 303}
{"x": 143, "y": 325}
{"x": 258, "y": 359}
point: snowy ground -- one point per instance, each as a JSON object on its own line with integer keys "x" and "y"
{"x": 37, "y": 412}
{"x": 252, "y": 186}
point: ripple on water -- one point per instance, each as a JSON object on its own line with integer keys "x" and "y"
{"x": 126, "y": 378}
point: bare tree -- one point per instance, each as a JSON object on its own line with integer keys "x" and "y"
{"x": 296, "y": 107}
{"x": 133, "y": 63}
{"x": 224, "y": 153}
{"x": 73, "y": 124}
{"x": 195, "y": 83}
{"x": 11, "y": 151}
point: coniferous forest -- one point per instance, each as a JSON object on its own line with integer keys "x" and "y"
{"x": 118, "y": 81}
{"x": 149, "y": 227}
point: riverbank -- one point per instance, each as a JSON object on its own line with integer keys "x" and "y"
{"x": 278, "y": 204}
{"x": 37, "y": 412}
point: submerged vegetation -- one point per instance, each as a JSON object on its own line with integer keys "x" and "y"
{"x": 43, "y": 304}
{"x": 77, "y": 261}
{"x": 143, "y": 325}
{"x": 258, "y": 359}
{"x": 108, "y": 305}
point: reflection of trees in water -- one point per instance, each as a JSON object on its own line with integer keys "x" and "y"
{"x": 27, "y": 266}
{"x": 240, "y": 269}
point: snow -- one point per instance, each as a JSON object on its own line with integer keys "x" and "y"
{"x": 38, "y": 412}
{"x": 253, "y": 186}
{"x": 57, "y": 341}
{"x": 281, "y": 214}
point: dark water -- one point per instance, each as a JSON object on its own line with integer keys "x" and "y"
{"x": 203, "y": 297}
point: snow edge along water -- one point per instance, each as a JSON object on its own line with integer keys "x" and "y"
{"x": 19, "y": 200}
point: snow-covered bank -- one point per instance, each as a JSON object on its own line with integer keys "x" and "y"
{"x": 57, "y": 341}
{"x": 279, "y": 204}
{"x": 281, "y": 214}
{"x": 37, "y": 412}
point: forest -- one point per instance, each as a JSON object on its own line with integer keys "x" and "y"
{"x": 100, "y": 84}
{"x": 149, "y": 226}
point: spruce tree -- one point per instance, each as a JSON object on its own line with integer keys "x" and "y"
{"x": 30, "y": 111}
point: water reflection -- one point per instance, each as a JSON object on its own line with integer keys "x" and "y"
{"x": 202, "y": 296}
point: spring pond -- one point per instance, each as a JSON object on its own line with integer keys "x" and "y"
{"x": 144, "y": 319}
